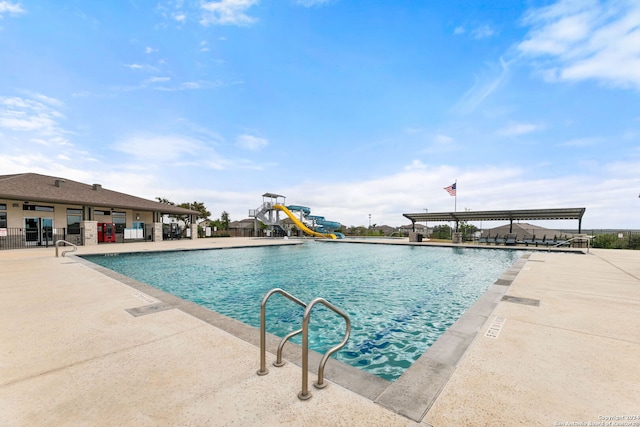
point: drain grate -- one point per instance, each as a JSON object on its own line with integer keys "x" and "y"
{"x": 149, "y": 309}
{"x": 523, "y": 301}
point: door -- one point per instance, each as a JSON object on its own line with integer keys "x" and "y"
{"x": 46, "y": 231}
{"x": 38, "y": 231}
{"x": 32, "y": 230}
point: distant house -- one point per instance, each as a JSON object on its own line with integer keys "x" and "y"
{"x": 386, "y": 230}
{"x": 245, "y": 228}
{"x": 37, "y": 210}
{"x": 524, "y": 231}
{"x": 419, "y": 228}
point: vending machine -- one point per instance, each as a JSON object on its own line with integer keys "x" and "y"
{"x": 106, "y": 232}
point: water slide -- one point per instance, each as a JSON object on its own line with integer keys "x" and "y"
{"x": 300, "y": 224}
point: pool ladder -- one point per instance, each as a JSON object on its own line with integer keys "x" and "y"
{"x": 75, "y": 248}
{"x": 304, "y": 394}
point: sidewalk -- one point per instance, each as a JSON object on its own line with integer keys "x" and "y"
{"x": 71, "y": 355}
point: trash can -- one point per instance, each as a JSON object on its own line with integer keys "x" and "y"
{"x": 415, "y": 237}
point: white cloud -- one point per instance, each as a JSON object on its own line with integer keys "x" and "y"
{"x": 158, "y": 147}
{"x": 515, "y": 129}
{"x": 8, "y": 7}
{"x": 582, "y": 142}
{"x": 149, "y": 50}
{"x": 586, "y": 39}
{"x": 443, "y": 139}
{"x": 482, "y": 32}
{"x": 158, "y": 79}
{"x": 252, "y": 143}
{"x": 459, "y": 30}
{"x": 310, "y": 3}
{"x": 415, "y": 164}
{"x": 483, "y": 88}
{"x": 32, "y": 116}
{"x": 227, "y": 12}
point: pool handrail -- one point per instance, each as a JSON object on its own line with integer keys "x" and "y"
{"x": 579, "y": 237}
{"x": 57, "y": 244}
{"x": 263, "y": 330}
{"x": 305, "y": 394}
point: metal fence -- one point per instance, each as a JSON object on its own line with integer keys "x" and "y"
{"x": 23, "y": 238}
{"x": 611, "y": 239}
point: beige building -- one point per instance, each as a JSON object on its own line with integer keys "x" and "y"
{"x": 37, "y": 210}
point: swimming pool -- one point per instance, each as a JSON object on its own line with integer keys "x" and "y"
{"x": 400, "y": 298}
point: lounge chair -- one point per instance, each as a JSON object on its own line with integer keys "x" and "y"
{"x": 500, "y": 240}
{"x": 511, "y": 240}
{"x": 529, "y": 241}
{"x": 539, "y": 241}
{"x": 483, "y": 239}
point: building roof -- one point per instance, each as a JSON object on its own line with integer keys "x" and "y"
{"x": 33, "y": 187}
{"x": 523, "y": 230}
{"x": 504, "y": 215}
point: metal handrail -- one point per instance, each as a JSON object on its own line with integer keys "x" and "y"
{"x": 581, "y": 238}
{"x": 305, "y": 394}
{"x": 263, "y": 330}
{"x": 75, "y": 248}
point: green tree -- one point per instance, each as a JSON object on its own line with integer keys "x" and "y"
{"x": 203, "y": 213}
{"x": 467, "y": 230}
{"x": 224, "y": 220}
{"x": 441, "y": 232}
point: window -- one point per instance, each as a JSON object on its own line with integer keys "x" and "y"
{"x": 3, "y": 215}
{"x": 37, "y": 208}
{"x": 120, "y": 220}
{"x": 74, "y": 217}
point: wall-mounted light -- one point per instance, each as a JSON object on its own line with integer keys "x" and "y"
{"x": 137, "y": 217}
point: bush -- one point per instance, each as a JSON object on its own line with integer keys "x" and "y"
{"x": 606, "y": 241}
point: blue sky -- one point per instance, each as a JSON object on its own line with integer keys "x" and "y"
{"x": 350, "y": 107}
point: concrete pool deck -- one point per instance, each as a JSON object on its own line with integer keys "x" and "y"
{"x": 562, "y": 347}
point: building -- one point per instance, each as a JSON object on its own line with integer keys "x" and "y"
{"x": 37, "y": 210}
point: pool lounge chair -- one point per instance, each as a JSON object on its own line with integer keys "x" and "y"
{"x": 483, "y": 239}
{"x": 529, "y": 241}
{"x": 500, "y": 240}
{"x": 539, "y": 241}
{"x": 511, "y": 240}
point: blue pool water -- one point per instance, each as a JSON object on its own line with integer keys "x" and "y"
{"x": 400, "y": 298}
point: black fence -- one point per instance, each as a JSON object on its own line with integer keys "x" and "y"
{"x": 24, "y": 238}
{"x": 609, "y": 239}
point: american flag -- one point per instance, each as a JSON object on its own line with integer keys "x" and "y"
{"x": 451, "y": 189}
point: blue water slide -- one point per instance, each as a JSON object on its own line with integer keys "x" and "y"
{"x": 302, "y": 209}
{"x": 328, "y": 224}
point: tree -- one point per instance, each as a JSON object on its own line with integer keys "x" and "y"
{"x": 224, "y": 220}
{"x": 199, "y": 207}
{"x": 441, "y": 232}
{"x": 467, "y": 230}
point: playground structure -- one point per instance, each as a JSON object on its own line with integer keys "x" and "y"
{"x": 269, "y": 214}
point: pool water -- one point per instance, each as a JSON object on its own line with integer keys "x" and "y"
{"x": 399, "y": 298}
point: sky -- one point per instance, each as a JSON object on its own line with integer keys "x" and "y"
{"x": 350, "y": 107}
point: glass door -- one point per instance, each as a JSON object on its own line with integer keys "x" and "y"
{"x": 32, "y": 231}
{"x": 38, "y": 231}
{"x": 47, "y": 231}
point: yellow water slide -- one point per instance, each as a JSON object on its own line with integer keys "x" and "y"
{"x": 301, "y": 225}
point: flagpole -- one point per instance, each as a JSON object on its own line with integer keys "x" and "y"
{"x": 455, "y": 199}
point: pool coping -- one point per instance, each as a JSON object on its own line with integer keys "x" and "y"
{"x": 411, "y": 395}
